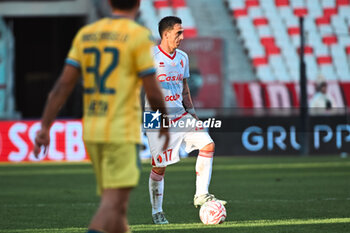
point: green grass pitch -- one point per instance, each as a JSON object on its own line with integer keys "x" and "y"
{"x": 264, "y": 194}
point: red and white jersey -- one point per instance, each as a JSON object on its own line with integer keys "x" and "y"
{"x": 171, "y": 69}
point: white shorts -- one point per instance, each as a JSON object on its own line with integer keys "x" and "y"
{"x": 192, "y": 139}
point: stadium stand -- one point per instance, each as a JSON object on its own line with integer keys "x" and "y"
{"x": 270, "y": 33}
{"x": 154, "y": 10}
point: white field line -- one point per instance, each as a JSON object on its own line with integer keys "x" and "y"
{"x": 21, "y": 205}
{"x": 231, "y": 224}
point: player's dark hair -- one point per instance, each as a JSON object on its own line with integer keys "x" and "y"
{"x": 167, "y": 23}
{"x": 123, "y": 4}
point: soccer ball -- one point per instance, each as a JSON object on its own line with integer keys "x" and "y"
{"x": 212, "y": 212}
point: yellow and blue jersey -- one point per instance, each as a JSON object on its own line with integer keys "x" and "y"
{"x": 113, "y": 54}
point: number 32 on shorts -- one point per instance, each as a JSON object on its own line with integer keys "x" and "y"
{"x": 165, "y": 155}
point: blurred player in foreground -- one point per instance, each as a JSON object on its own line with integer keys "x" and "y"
{"x": 172, "y": 72}
{"x": 114, "y": 57}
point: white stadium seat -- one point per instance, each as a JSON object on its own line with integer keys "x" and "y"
{"x": 265, "y": 73}
{"x": 339, "y": 25}
{"x": 311, "y": 67}
{"x": 187, "y": 19}
{"x": 165, "y": 11}
{"x": 236, "y": 4}
{"x": 328, "y": 3}
{"x": 314, "y": 8}
{"x": 256, "y": 50}
{"x": 344, "y": 12}
{"x": 309, "y": 25}
{"x": 279, "y": 68}
{"x": 328, "y": 71}
{"x": 297, "y": 3}
{"x": 255, "y": 12}
{"x": 264, "y": 31}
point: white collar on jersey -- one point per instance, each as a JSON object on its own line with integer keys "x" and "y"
{"x": 171, "y": 56}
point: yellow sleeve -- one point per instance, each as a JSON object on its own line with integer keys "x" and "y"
{"x": 143, "y": 54}
{"x": 73, "y": 57}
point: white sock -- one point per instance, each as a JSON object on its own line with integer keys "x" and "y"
{"x": 204, "y": 167}
{"x": 156, "y": 191}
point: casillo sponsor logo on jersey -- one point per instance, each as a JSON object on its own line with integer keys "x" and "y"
{"x": 172, "y": 97}
{"x": 165, "y": 78}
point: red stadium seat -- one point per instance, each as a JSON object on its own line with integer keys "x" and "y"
{"x": 343, "y": 2}
{"x": 300, "y": 12}
{"x": 190, "y": 32}
{"x": 272, "y": 50}
{"x": 329, "y": 40}
{"x": 323, "y": 20}
{"x": 258, "y": 61}
{"x": 161, "y": 3}
{"x": 328, "y": 12}
{"x": 240, "y": 12}
{"x": 260, "y": 21}
{"x": 324, "y": 60}
{"x": 178, "y": 3}
{"x": 307, "y": 50}
{"x": 293, "y": 31}
{"x": 268, "y": 41}
{"x": 252, "y": 3}
{"x": 348, "y": 50}
{"x": 280, "y": 3}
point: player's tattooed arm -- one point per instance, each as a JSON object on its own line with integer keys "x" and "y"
{"x": 187, "y": 100}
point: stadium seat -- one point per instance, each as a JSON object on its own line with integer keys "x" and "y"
{"x": 264, "y": 73}
{"x": 236, "y": 4}
{"x": 260, "y": 61}
{"x": 314, "y": 9}
{"x": 325, "y": 30}
{"x": 178, "y": 3}
{"x": 256, "y": 51}
{"x": 297, "y": 4}
{"x": 154, "y": 10}
{"x": 301, "y": 12}
{"x": 270, "y": 32}
{"x": 188, "y": 23}
{"x": 264, "y": 31}
{"x": 344, "y": 41}
{"x": 160, "y": 3}
{"x": 268, "y": 5}
{"x": 149, "y": 17}
{"x": 328, "y": 71}
{"x": 310, "y": 25}
{"x": 164, "y": 11}
{"x": 255, "y": 12}
{"x": 321, "y": 51}
{"x": 344, "y": 11}
{"x": 282, "y": 3}
{"x": 252, "y": 3}
{"x": 279, "y": 68}
{"x": 339, "y": 57}
{"x": 330, "y": 40}
{"x": 311, "y": 67}
{"x": 338, "y": 24}
{"x": 328, "y": 3}
{"x": 343, "y": 3}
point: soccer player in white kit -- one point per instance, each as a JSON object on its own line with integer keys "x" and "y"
{"x": 172, "y": 67}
